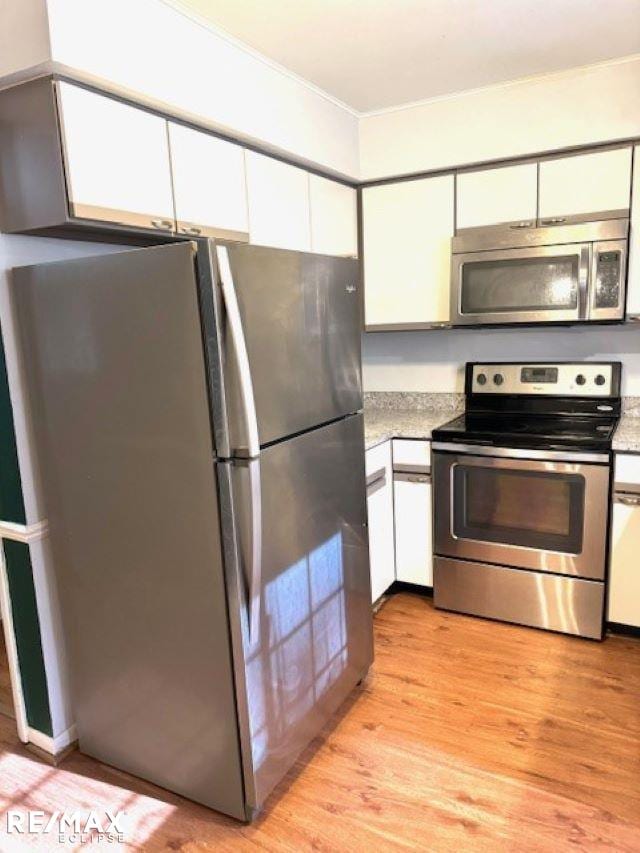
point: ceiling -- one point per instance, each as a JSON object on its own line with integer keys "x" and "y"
{"x": 375, "y": 54}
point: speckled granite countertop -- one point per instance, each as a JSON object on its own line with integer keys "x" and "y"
{"x": 409, "y": 415}
{"x": 626, "y": 437}
{"x": 415, "y": 415}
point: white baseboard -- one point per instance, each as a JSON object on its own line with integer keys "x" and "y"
{"x": 52, "y": 745}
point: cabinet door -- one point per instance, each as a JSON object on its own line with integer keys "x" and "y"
{"x": 633, "y": 283}
{"x": 586, "y": 184}
{"x": 278, "y": 203}
{"x": 407, "y": 229}
{"x": 624, "y": 575}
{"x": 494, "y": 196}
{"x": 414, "y": 549}
{"x": 209, "y": 184}
{"x": 116, "y": 161}
{"x": 380, "y": 512}
{"x": 334, "y": 221}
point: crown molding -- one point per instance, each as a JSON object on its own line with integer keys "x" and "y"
{"x": 182, "y": 8}
{"x": 564, "y": 73}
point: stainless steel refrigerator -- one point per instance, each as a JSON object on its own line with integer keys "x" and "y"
{"x": 197, "y": 416}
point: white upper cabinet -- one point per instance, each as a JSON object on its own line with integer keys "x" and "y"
{"x": 494, "y": 196}
{"x": 407, "y": 230}
{"x": 633, "y": 284}
{"x": 209, "y": 184}
{"x": 279, "y": 213}
{"x": 587, "y": 183}
{"x": 116, "y": 160}
{"x": 334, "y": 220}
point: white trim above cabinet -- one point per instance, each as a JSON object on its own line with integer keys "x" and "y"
{"x": 209, "y": 184}
{"x": 279, "y": 211}
{"x": 407, "y": 230}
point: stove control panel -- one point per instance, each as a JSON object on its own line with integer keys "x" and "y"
{"x": 585, "y": 379}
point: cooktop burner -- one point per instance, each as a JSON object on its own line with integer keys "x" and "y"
{"x": 551, "y": 406}
{"x": 534, "y": 431}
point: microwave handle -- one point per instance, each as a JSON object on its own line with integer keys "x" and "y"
{"x": 584, "y": 269}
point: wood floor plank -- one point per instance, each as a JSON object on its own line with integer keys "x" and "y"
{"x": 466, "y": 736}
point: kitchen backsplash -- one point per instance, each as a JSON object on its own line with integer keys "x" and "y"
{"x": 415, "y": 400}
{"x": 421, "y": 401}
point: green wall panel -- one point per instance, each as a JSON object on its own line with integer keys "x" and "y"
{"x": 28, "y": 639}
{"x": 11, "y": 502}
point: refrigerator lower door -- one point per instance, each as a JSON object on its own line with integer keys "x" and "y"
{"x": 301, "y": 616}
{"x": 300, "y": 317}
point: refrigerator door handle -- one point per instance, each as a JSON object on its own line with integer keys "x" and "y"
{"x": 240, "y": 348}
{"x": 255, "y": 550}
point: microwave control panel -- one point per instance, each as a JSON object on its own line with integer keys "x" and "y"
{"x": 585, "y": 379}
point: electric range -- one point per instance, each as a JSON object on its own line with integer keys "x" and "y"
{"x": 522, "y": 486}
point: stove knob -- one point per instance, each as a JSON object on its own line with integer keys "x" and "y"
{"x": 600, "y": 380}
{"x": 580, "y": 379}
{"x": 498, "y": 378}
{"x": 482, "y": 379}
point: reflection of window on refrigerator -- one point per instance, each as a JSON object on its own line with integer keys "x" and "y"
{"x": 304, "y": 607}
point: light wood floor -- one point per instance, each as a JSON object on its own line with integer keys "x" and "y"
{"x": 6, "y": 699}
{"x": 467, "y": 736}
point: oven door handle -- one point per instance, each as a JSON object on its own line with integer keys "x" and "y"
{"x": 519, "y": 453}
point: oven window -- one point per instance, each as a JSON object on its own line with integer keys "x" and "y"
{"x": 520, "y": 284}
{"x": 530, "y": 509}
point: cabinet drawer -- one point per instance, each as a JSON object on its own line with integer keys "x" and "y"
{"x": 627, "y": 471}
{"x": 411, "y": 455}
{"x": 377, "y": 457}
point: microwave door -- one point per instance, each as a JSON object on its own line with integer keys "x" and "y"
{"x": 541, "y": 284}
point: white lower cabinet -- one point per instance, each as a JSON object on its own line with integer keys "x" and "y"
{"x": 412, "y": 511}
{"x": 380, "y": 513}
{"x": 624, "y": 570}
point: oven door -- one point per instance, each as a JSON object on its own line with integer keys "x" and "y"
{"x": 526, "y": 285}
{"x": 545, "y": 515}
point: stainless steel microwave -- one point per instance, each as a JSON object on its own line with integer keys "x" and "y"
{"x": 528, "y": 274}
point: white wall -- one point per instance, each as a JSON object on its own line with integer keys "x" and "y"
{"x": 24, "y": 35}
{"x": 160, "y": 55}
{"x": 434, "y": 361}
{"x": 577, "y": 107}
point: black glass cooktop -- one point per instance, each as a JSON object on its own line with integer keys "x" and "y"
{"x": 530, "y": 431}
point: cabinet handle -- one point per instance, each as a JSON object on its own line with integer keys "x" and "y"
{"x": 553, "y": 220}
{"x": 522, "y": 225}
{"x": 376, "y": 481}
{"x": 162, "y": 224}
{"x": 191, "y": 229}
{"x": 628, "y": 500}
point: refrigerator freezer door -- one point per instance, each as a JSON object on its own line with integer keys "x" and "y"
{"x": 115, "y": 370}
{"x": 311, "y": 641}
{"x": 300, "y": 317}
